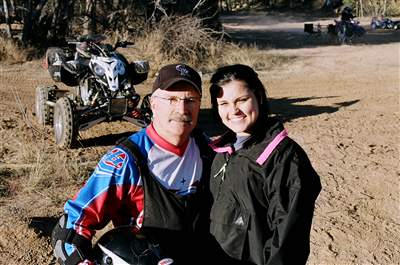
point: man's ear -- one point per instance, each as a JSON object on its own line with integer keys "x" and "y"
{"x": 152, "y": 103}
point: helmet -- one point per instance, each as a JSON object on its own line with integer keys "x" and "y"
{"x": 347, "y": 10}
{"x": 123, "y": 247}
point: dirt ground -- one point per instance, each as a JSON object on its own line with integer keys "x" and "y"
{"x": 339, "y": 102}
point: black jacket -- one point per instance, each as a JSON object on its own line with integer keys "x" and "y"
{"x": 262, "y": 214}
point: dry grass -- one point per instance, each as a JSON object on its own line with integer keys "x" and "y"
{"x": 11, "y": 52}
{"x": 183, "y": 39}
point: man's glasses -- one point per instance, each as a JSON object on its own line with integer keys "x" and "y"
{"x": 174, "y": 101}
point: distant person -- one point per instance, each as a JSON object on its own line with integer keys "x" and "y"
{"x": 262, "y": 183}
{"x": 347, "y": 14}
{"x": 351, "y": 25}
{"x": 155, "y": 181}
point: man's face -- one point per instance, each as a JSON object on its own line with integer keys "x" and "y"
{"x": 175, "y": 111}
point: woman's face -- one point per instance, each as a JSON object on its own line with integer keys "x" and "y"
{"x": 237, "y": 107}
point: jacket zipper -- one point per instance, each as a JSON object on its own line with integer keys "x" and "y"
{"x": 222, "y": 173}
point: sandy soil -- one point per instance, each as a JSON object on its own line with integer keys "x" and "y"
{"x": 341, "y": 103}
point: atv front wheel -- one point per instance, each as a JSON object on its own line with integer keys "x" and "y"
{"x": 44, "y": 112}
{"x": 65, "y": 131}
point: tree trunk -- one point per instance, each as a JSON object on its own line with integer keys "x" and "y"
{"x": 90, "y": 20}
{"x": 27, "y": 29}
{"x": 7, "y": 17}
{"x": 62, "y": 14}
{"x": 384, "y": 7}
{"x": 31, "y": 30}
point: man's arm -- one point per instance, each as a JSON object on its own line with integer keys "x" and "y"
{"x": 98, "y": 202}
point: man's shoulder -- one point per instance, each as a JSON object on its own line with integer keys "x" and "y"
{"x": 141, "y": 141}
{"x": 118, "y": 157}
{"x": 203, "y": 142}
{"x": 136, "y": 145}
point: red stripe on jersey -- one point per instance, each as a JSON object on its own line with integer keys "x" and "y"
{"x": 105, "y": 208}
{"x": 179, "y": 151}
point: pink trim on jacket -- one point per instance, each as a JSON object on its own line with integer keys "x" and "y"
{"x": 217, "y": 149}
{"x": 271, "y": 147}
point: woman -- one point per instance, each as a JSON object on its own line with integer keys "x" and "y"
{"x": 263, "y": 185}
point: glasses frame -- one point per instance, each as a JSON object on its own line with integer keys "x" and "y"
{"x": 174, "y": 100}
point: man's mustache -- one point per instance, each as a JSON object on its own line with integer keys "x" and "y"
{"x": 180, "y": 117}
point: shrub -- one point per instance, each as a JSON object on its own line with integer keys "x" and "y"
{"x": 184, "y": 39}
{"x": 11, "y": 51}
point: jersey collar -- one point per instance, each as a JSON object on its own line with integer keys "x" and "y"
{"x": 157, "y": 139}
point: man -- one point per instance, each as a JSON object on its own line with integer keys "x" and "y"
{"x": 347, "y": 14}
{"x": 166, "y": 195}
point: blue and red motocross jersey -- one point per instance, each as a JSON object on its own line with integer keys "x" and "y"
{"x": 114, "y": 190}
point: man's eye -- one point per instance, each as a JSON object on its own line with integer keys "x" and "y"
{"x": 222, "y": 103}
{"x": 174, "y": 100}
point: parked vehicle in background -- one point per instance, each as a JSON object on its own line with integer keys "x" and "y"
{"x": 102, "y": 88}
{"x": 384, "y": 23}
{"x": 346, "y": 31}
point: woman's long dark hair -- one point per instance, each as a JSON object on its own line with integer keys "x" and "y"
{"x": 243, "y": 73}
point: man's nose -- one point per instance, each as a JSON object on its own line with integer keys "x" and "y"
{"x": 182, "y": 106}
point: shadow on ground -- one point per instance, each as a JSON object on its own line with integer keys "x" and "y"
{"x": 43, "y": 226}
{"x": 279, "y": 16}
{"x": 285, "y": 30}
{"x": 287, "y": 109}
{"x": 295, "y": 38}
{"x": 104, "y": 140}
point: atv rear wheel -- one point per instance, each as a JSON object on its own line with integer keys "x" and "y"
{"x": 65, "y": 131}
{"x": 44, "y": 112}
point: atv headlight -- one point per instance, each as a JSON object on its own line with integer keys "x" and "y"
{"x": 98, "y": 70}
{"x": 120, "y": 68}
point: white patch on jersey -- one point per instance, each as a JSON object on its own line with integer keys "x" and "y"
{"x": 174, "y": 172}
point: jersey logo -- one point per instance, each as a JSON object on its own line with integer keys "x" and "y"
{"x": 116, "y": 158}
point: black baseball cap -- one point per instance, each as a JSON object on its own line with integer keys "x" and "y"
{"x": 174, "y": 73}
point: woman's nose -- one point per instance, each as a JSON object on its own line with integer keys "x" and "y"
{"x": 233, "y": 108}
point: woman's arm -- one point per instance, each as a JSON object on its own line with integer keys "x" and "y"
{"x": 295, "y": 188}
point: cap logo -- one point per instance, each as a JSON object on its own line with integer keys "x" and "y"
{"x": 182, "y": 70}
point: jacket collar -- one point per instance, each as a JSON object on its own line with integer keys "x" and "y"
{"x": 264, "y": 132}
